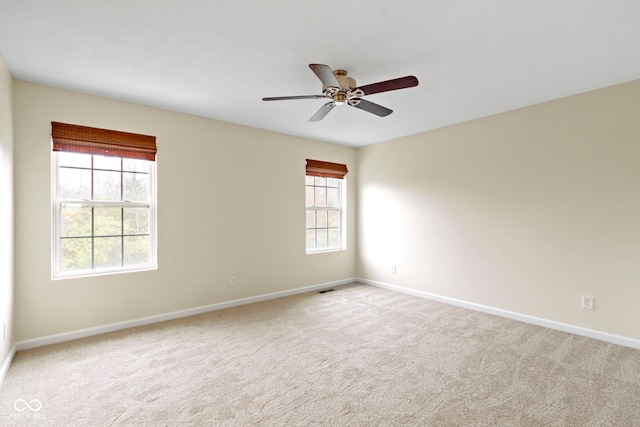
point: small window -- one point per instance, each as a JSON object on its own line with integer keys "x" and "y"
{"x": 104, "y": 213}
{"x": 325, "y": 189}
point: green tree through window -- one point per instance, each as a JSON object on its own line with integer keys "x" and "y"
{"x": 104, "y": 210}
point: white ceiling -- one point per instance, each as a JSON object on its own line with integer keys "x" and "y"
{"x": 217, "y": 59}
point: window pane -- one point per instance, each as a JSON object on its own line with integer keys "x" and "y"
{"x": 321, "y": 196}
{"x": 135, "y": 165}
{"x": 106, "y": 186}
{"x": 75, "y": 184}
{"x": 310, "y": 194}
{"x": 77, "y": 160}
{"x": 107, "y": 221}
{"x": 75, "y": 254}
{"x": 333, "y": 197}
{"x": 320, "y": 181}
{"x": 135, "y": 187}
{"x": 105, "y": 162}
{"x": 321, "y": 238}
{"x": 107, "y": 252}
{"x": 309, "y": 180}
{"x": 136, "y": 250}
{"x": 311, "y": 219}
{"x": 75, "y": 221}
{"x": 311, "y": 239}
{"x": 136, "y": 221}
{"x": 333, "y": 239}
{"x": 321, "y": 219}
{"x": 333, "y": 182}
{"x": 332, "y": 218}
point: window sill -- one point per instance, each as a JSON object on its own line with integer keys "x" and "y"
{"x": 93, "y": 273}
{"x": 324, "y": 251}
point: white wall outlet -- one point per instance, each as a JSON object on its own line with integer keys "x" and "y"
{"x": 233, "y": 281}
{"x": 393, "y": 270}
{"x": 588, "y": 302}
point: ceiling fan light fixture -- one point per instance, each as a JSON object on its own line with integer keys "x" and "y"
{"x": 340, "y": 98}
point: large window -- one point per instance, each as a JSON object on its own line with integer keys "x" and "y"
{"x": 325, "y": 191}
{"x": 104, "y": 211}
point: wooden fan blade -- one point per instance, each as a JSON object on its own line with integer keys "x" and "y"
{"x": 388, "y": 85}
{"x": 372, "y": 108}
{"x": 325, "y": 74}
{"x": 286, "y": 98}
{"x": 323, "y": 111}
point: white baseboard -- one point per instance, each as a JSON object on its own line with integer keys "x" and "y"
{"x": 551, "y": 324}
{"x": 7, "y": 364}
{"x": 68, "y": 336}
{"x": 83, "y": 333}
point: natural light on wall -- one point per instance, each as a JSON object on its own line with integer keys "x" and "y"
{"x": 386, "y": 240}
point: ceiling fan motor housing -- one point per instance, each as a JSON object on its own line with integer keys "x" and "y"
{"x": 346, "y": 91}
{"x": 345, "y": 80}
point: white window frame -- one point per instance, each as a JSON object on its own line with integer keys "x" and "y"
{"x": 342, "y": 222}
{"x": 57, "y": 204}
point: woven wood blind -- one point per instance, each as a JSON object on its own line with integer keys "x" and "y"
{"x": 83, "y": 139}
{"x": 326, "y": 169}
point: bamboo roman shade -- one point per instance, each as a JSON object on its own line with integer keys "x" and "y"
{"x": 83, "y": 139}
{"x": 326, "y": 169}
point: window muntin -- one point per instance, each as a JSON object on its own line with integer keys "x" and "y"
{"x": 104, "y": 214}
{"x": 324, "y": 231}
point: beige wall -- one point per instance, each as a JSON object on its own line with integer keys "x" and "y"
{"x": 6, "y": 213}
{"x": 230, "y": 202}
{"x": 523, "y": 211}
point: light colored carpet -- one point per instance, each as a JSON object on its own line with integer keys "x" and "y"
{"x": 357, "y": 356}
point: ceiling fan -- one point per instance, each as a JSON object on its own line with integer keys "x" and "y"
{"x": 342, "y": 89}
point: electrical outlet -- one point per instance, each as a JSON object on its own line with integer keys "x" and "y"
{"x": 233, "y": 281}
{"x": 588, "y": 302}
{"x": 393, "y": 270}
